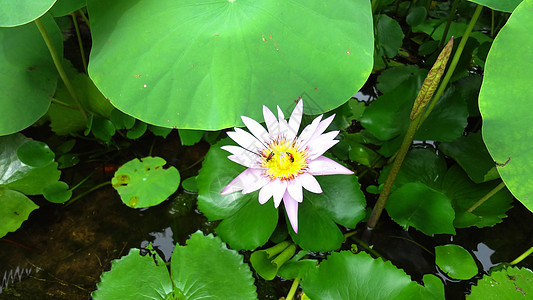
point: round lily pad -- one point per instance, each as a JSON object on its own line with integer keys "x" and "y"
{"x": 35, "y": 153}
{"x": 14, "y": 13}
{"x": 145, "y": 183}
{"x": 455, "y": 261}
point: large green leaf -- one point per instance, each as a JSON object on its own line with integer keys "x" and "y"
{"x": 135, "y": 276}
{"x": 14, "y": 13}
{"x": 28, "y": 74}
{"x": 144, "y": 183}
{"x": 455, "y": 261}
{"x": 201, "y": 65}
{"x": 503, "y": 5}
{"x": 347, "y": 276}
{"x": 206, "y": 268}
{"x": 505, "y": 103}
{"x": 14, "y": 209}
{"x": 509, "y": 284}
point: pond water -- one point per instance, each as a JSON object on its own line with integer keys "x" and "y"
{"x": 61, "y": 251}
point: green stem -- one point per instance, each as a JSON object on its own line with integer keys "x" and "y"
{"x": 80, "y": 42}
{"x": 448, "y": 23}
{"x": 522, "y": 256}
{"x": 82, "y": 181}
{"x": 59, "y": 67}
{"x": 453, "y": 64}
{"x": 387, "y": 187}
{"x": 59, "y": 102}
{"x": 94, "y": 188}
{"x": 80, "y": 12}
{"x": 293, "y": 289}
{"x": 366, "y": 247}
{"x": 486, "y": 197}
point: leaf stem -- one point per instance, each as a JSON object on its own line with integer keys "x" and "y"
{"x": 293, "y": 289}
{"x": 486, "y": 197}
{"x": 454, "y": 62}
{"x": 80, "y": 42}
{"x": 59, "y": 67}
{"x": 522, "y": 257}
{"x": 448, "y": 23}
{"x": 94, "y": 188}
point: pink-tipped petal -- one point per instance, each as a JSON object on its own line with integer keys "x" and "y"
{"x": 325, "y": 166}
{"x": 291, "y": 207}
{"x": 245, "y": 140}
{"x": 256, "y": 129}
{"x": 258, "y": 182}
{"x": 240, "y": 182}
{"x": 320, "y": 144}
{"x": 271, "y": 122}
{"x": 294, "y": 187}
{"x": 308, "y": 132}
{"x": 310, "y": 183}
{"x": 295, "y": 120}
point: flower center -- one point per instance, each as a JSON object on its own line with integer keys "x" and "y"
{"x": 281, "y": 159}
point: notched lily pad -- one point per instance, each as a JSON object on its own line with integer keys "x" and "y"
{"x": 145, "y": 183}
{"x": 510, "y": 283}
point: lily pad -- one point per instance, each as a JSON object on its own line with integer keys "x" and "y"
{"x": 510, "y": 283}
{"x": 57, "y": 192}
{"x": 28, "y": 75}
{"x": 507, "y": 124}
{"x": 247, "y": 54}
{"x": 14, "y": 209}
{"x": 35, "y": 154}
{"x": 455, "y": 261}
{"x": 206, "y": 268}
{"x": 15, "y": 13}
{"x": 354, "y": 276}
{"x": 144, "y": 183}
{"x": 134, "y": 275}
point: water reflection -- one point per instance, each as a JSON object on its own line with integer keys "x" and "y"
{"x": 483, "y": 254}
{"x": 163, "y": 242}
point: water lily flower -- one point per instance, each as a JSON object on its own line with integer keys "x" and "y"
{"x": 279, "y": 162}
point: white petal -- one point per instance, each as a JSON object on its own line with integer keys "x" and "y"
{"x": 294, "y": 187}
{"x": 266, "y": 193}
{"x": 271, "y": 122}
{"x": 236, "y": 150}
{"x": 279, "y": 189}
{"x": 307, "y": 132}
{"x": 325, "y": 166}
{"x": 241, "y": 181}
{"x": 309, "y": 183}
{"x": 259, "y": 182}
{"x": 320, "y": 144}
{"x": 247, "y": 161}
{"x": 323, "y": 125}
{"x": 256, "y": 129}
{"x": 283, "y": 125}
{"x": 246, "y": 140}
{"x": 291, "y": 207}
{"x": 295, "y": 120}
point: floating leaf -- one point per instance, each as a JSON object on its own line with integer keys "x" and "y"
{"x": 347, "y": 276}
{"x": 472, "y": 155}
{"x": 137, "y": 130}
{"x": 28, "y": 75}
{"x": 510, "y": 283}
{"x": 35, "y": 154}
{"x": 190, "y": 137}
{"x": 249, "y": 53}
{"x": 144, "y": 183}
{"x": 389, "y": 35}
{"x": 15, "y": 13}
{"x": 455, "y": 261}
{"x": 14, "y": 209}
{"x": 205, "y": 268}
{"x": 134, "y": 276}
{"x": 415, "y": 204}
{"x": 190, "y": 185}
{"x": 57, "y": 192}
{"x": 121, "y": 120}
{"x": 507, "y": 124}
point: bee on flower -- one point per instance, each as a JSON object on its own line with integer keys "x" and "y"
{"x": 280, "y": 164}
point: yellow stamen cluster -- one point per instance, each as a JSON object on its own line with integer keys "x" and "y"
{"x": 281, "y": 159}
